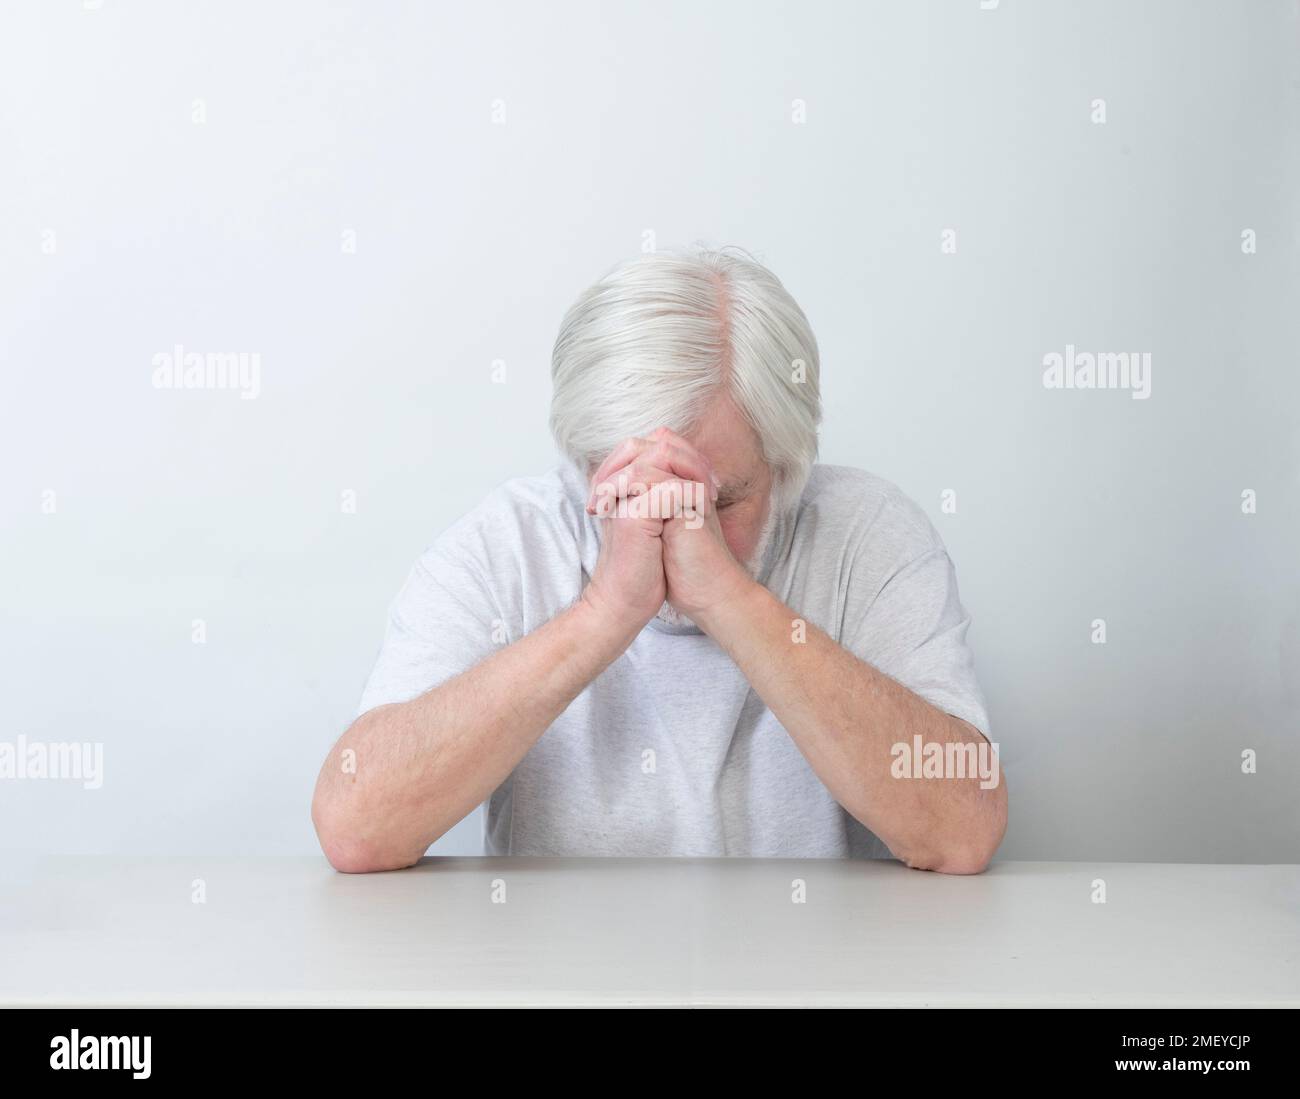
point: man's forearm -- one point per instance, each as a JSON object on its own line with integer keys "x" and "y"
{"x": 845, "y": 717}
{"x": 418, "y": 767}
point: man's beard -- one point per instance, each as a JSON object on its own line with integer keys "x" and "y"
{"x": 671, "y": 616}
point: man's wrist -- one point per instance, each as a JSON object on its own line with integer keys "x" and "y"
{"x": 610, "y": 626}
{"x": 734, "y": 611}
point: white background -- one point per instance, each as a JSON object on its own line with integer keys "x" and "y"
{"x": 471, "y": 240}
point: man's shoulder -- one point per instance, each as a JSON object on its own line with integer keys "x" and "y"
{"x": 867, "y": 506}
{"x": 553, "y": 492}
{"x": 538, "y": 514}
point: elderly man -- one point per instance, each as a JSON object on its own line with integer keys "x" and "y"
{"x": 687, "y": 640}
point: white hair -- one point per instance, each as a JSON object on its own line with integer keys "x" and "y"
{"x": 657, "y": 338}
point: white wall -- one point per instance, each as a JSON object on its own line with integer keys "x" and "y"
{"x": 472, "y": 238}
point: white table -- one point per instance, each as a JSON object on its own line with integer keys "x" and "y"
{"x": 125, "y": 931}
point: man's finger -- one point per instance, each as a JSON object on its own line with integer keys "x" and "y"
{"x": 620, "y": 456}
{"x": 641, "y": 481}
{"x": 664, "y": 448}
{"x": 702, "y": 468}
{"x": 632, "y": 480}
{"x": 654, "y": 467}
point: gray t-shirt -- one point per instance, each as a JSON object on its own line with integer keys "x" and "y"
{"x": 669, "y": 751}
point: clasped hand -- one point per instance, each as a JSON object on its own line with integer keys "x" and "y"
{"x": 660, "y": 535}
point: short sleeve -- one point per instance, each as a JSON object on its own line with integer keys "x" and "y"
{"x": 443, "y": 622}
{"x": 915, "y": 632}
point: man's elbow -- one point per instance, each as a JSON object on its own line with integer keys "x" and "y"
{"x": 350, "y": 853}
{"x": 352, "y": 858}
{"x": 954, "y": 858}
{"x": 967, "y": 853}
{"x": 964, "y": 860}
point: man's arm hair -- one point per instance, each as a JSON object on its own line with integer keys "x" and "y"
{"x": 419, "y": 767}
{"x": 845, "y": 716}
